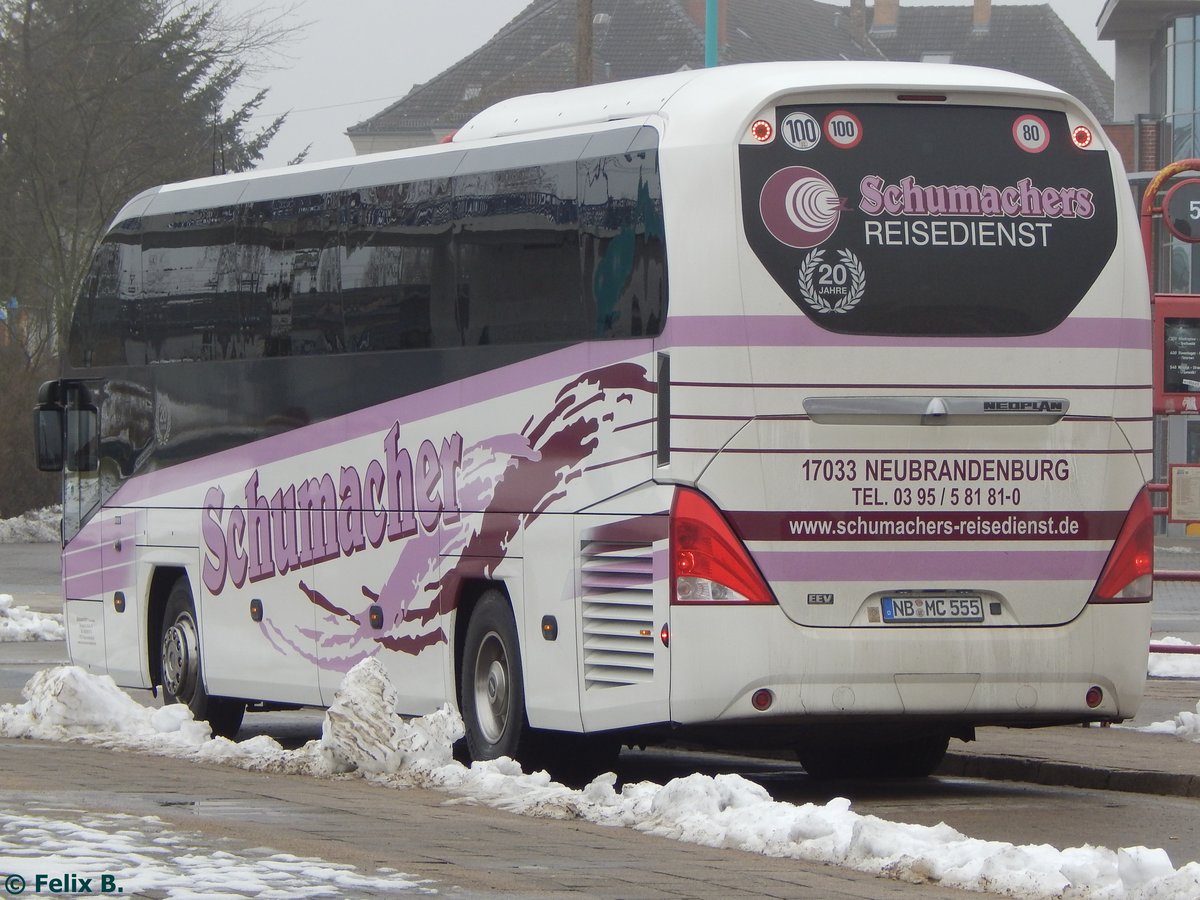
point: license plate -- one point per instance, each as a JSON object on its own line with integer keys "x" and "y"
{"x": 932, "y": 609}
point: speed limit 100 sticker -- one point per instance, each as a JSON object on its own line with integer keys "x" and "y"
{"x": 1031, "y": 134}
{"x": 843, "y": 129}
{"x": 800, "y": 130}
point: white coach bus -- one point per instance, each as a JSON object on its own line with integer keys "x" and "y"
{"x": 800, "y": 405}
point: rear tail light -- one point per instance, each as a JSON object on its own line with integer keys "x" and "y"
{"x": 709, "y": 564}
{"x": 1129, "y": 572}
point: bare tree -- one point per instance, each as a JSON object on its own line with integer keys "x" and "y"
{"x": 101, "y": 99}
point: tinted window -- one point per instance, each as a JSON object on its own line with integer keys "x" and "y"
{"x": 189, "y": 308}
{"x": 104, "y": 331}
{"x": 395, "y": 265}
{"x": 543, "y": 253}
{"x": 929, "y": 220}
{"x": 288, "y": 263}
{"x": 518, "y": 256}
{"x": 623, "y": 255}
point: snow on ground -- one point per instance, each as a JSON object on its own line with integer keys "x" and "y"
{"x": 35, "y": 526}
{"x": 363, "y": 735}
{"x": 1174, "y": 665}
{"x": 20, "y": 623}
{"x": 1185, "y": 725}
{"x": 141, "y": 855}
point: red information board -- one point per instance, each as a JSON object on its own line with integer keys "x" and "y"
{"x": 1176, "y": 353}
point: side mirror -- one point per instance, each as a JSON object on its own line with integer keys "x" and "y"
{"x": 83, "y": 439}
{"x": 48, "y": 437}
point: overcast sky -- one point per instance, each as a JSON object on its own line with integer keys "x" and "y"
{"x": 355, "y": 57}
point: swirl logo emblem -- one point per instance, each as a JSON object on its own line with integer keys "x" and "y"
{"x": 800, "y": 207}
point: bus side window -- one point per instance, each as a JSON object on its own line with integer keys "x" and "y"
{"x": 621, "y": 208}
{"x": 518, "y": 274}
{"x": 188, "y": 303}
{"x": 103, "y": 332}
{"x": 391, "y": 261}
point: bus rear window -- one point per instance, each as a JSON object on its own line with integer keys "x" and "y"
{"x": 928, "y": 220}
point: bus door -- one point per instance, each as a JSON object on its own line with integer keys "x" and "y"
{"x": 124, "y": 626}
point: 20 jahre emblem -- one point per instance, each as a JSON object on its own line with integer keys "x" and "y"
{"x": 835, "y": 287}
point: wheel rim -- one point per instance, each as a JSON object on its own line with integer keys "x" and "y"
{"x": 180, "y": 658}
{"x": 491, "y": 688}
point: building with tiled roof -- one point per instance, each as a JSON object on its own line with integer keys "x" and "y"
{"x": 1031, "y": 40}
{"x": 632, "y": 38}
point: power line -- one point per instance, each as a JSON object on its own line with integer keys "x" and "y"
{"x": 306, "y": 109}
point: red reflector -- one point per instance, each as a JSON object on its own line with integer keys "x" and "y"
{"x": 709, "y": 564}
{"x": 762, "y": 699}
{"x": 1094, "y": 697}
{"x": 1128, "y": 574}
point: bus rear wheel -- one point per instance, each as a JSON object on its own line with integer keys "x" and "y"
{"x": 181, "y": 672}
{"x": 493, "y": 690}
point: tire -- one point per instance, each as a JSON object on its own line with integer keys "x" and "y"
{"x": 916, "y": 757}
{"x": 493, "y": 690}
{"x": 181, "y": 672}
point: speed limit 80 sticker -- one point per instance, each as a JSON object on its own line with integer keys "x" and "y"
{"x": 1031, "y": 133}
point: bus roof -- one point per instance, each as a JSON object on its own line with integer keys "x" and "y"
{"x": 696, "y": 89}
{"x": 702, "y": 98}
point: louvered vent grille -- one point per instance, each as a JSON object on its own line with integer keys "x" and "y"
{"x": 618, "y": 613}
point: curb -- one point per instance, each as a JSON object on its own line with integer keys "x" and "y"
{"x": 1060, "y": 774}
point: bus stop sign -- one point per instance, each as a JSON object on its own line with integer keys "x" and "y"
{"x": 1181, "y": 210}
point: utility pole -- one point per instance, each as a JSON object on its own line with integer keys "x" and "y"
{"x": 583, "y": 42}
{"x": 711, "y": 15}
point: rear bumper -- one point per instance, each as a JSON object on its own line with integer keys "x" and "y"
{"x": 720, "y": 656}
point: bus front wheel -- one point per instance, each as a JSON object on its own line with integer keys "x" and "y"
{"x": 180, "y": 670}
{"x": 493, "y": 690}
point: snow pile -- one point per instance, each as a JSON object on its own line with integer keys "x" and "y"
{"x": 35, "y": 527}
{"x": 1174, "y": 665}
{"x": 20, "y": 623}
{"x": 1185, "y": 725}
{"x": 66, "y": 702}
{"x": 143, "y": 858}
{"x": 362, "y": 734}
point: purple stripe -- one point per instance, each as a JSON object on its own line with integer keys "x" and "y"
{"x": 940, "y": 386}
{"x": 617, "y": 462}
{"x": 83, "y": 586}
{"x": 551, "y": 367}
{"x": 987, "y": 451}
{"x": 78, "y": 560}
{"x": 91, "y": 584}
{"x": 615, "y": 583}
{"x": 799, "y": 331}
{"x": 967, "y": 569}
